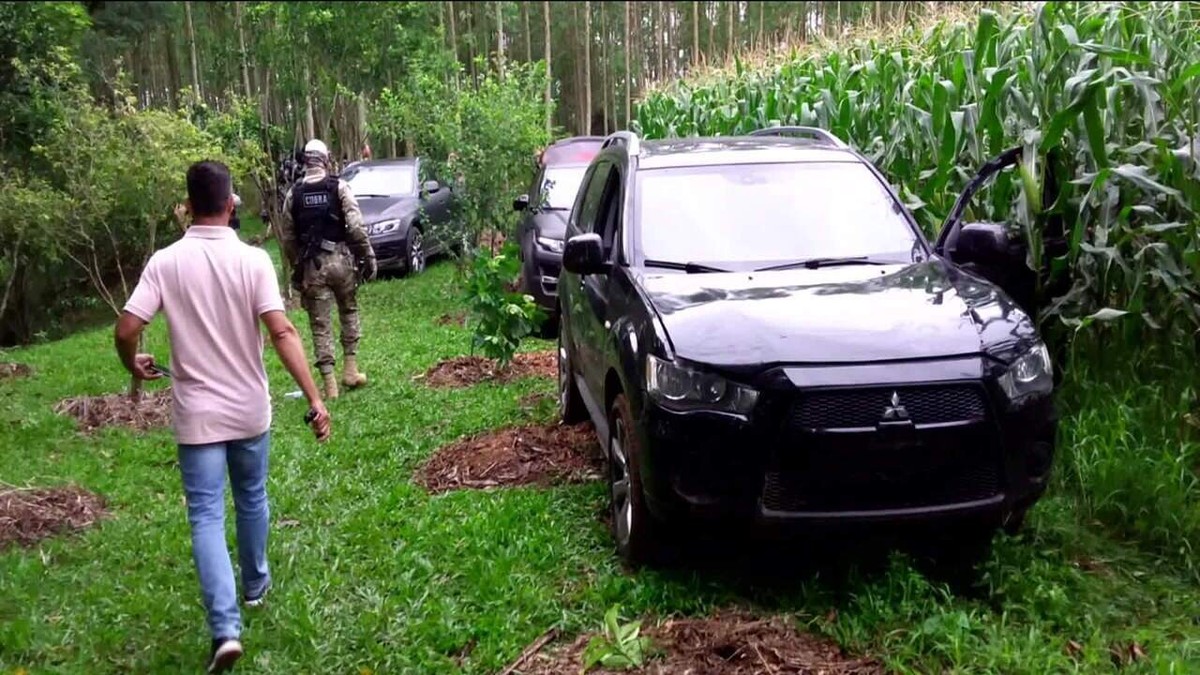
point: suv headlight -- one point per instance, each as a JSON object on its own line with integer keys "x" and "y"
{"x": 1029, "y": 376}
{"x": 679, "y": 388}
{"x": 554, "y": 245}
{"x": 384, "y": 226}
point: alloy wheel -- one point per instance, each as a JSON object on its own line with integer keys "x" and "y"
{"x": 416, "y": 260}
{"x": 622, "y": 506}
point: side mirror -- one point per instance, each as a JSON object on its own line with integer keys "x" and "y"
{"x": 521, "y": 203}
{"x": 584, "y": 254}
{"x": 431, "y": 186}
{"x": 984, "y": 244}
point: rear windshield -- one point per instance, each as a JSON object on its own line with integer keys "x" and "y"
{"x": 576, "y": 152}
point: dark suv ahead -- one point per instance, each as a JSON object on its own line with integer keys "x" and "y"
{"x": 544, "y": 209}
{"x": 762, "y": 335}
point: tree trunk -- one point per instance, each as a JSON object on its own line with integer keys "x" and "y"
{"x": 528, "y": 35}
{"x": 500, "y": 39}
{"x": 453, "y": 32}
{"x": 761, "y": 24}
{"x": 549, "y": 74}
{"x": 695, "y": 33}
{"x": 191, "y": 36}
{"x": 604, "y": 67}
{"x": 471, "y": 49}
{"x": 660, "y": 28}
{"x": 732, "y": 29}
{"x": 712, "y": 28}
{"x": 587, "y": 65}
{"x": 237, "y": 14}
{"x": 840, "y": 25}
{"x": 628, "y": 78}
{"x": 310, "y": 126}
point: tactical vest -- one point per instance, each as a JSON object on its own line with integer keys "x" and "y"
{"x": 317, "y": 211}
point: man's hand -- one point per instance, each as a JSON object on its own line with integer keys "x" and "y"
{"x": 370, "y": 269}
{"x": 321, "y": 423}
{"x": 143, "y": 367}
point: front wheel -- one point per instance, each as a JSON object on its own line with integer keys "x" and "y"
{"x": 570, "y": 404}
{"x": 415, "y": 253}
{"x": 634, "y": 529}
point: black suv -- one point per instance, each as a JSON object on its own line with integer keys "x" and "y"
{"x": 762, "y": 335}
{"x": 560, "y": 170}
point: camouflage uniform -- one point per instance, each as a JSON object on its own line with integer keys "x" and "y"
{"x": 331, "y": 278}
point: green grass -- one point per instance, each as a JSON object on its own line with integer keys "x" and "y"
{"x": 378, "y": 575}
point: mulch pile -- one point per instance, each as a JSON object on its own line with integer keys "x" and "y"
{"x": 455, "y": 319}
{"x": 464, "y": 371}
{"x": 528, "y": 455}
{"x": 117, "y": 410}
{"x": 29, "y": 515}
{"x": 12, "y": 370}
{"x": 731, "y": 643}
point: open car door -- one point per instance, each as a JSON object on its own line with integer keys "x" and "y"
{"x": 994, "y": 251}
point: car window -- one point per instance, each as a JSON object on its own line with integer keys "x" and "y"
{"x": 584, "y": 215}
{"x": 381, "y": 180}
{"x": 752, "y": 215}
{"x": 559, "y": 187}
{"x": 609, "y": 214}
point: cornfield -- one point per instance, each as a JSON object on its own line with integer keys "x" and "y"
{"x": 1101, "y": 96}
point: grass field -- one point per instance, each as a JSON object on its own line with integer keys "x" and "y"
{"x": 374, "y": 576}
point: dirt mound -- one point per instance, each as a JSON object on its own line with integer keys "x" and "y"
{"x": 117, "y": 410}
{"x": 731, "y": 643}
{"x": 527, "y": 455}
{"x": 13, "y": 370}
{"x": 29, "y": 515}
{"x": 464, "y": 371}
{"x": 453, "y": 319}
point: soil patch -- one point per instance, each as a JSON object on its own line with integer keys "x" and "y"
{"x": 14, "y": 370}
{"x": 731, "y": 643}
{"x": 527, "y": 455}
{"x": 29, "y": 515}
{"x": 453, "y": 319}
{"x": 117, "y": 410}
{"x": 492, "y": 240}
{"x": 464, "y": 371}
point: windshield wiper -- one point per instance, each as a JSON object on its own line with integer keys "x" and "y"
{"x": 689, "y": 267}
{"x": 814, "y": 263}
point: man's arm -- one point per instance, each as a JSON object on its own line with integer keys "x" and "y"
{"x": 129, "y": 331}
{"x": 286, "y": 341}
{"x": 356, "y": 234}
{"x": 287, "y": 231}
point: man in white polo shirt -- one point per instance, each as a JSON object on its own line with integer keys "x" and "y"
{"x": 215, "y": 290}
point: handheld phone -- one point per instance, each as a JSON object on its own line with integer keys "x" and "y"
{"x": 310, "y": 416}
{"x": 161, "y": 370}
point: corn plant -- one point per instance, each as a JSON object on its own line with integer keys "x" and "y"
{"x": 1102, "y": 96}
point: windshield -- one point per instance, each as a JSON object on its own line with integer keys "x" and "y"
{"x": 756, "y": 215}
{"x": 384, "y": 180}
{"x": 560, "y": 187}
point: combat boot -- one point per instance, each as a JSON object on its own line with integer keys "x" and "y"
{"x": 331, "y": 385}
{"x": 350, "y": 375}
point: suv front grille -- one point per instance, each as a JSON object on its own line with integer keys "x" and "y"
{"x": 864, "y": 408}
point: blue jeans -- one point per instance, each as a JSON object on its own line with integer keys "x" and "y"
{"x": 203, "y": 469}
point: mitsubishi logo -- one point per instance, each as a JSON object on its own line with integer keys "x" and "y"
{"x": 895, "y": 412}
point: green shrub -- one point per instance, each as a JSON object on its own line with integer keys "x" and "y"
{"x": 500, "y": 317}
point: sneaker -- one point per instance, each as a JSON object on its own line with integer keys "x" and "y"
{"x": 225, "y": 653}
{"x": 257, "y": 600}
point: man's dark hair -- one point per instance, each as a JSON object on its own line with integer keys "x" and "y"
{"x": 209, "y": 187}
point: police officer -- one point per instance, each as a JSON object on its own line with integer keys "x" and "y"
{"x": 324, "y": 238}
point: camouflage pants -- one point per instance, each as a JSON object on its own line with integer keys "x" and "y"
{"x": 334, "y": 283}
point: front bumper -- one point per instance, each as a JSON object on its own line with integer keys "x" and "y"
{"x": 775, "y": 472}
{"x": 391, "y": 250}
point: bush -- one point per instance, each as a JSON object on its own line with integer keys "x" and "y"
{"x": 500, "y": 317}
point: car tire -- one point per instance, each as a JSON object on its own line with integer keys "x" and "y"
{"x": 635, "y": 531}
{"x": 570, "y": 402}
{"x": 414, "y": 252}
{"x": 956, "y": 553}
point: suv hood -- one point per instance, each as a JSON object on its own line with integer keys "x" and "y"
{"x": 551, "y": 223}
{"x": 852, "y": 314}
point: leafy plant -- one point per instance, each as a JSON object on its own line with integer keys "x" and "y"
{"x": 618, "y": 646}
{"x": 500, "y": 315}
